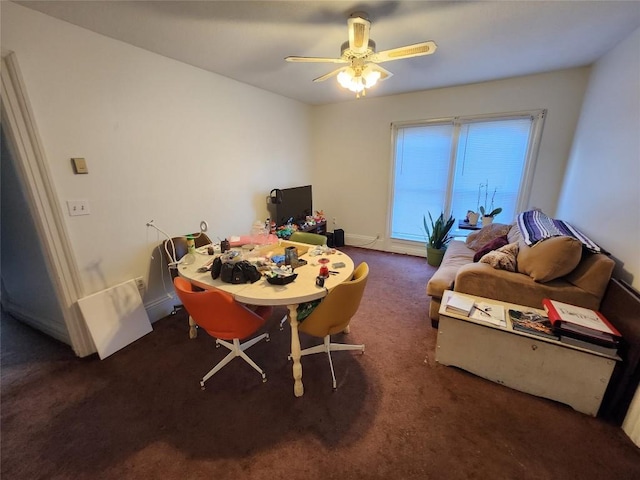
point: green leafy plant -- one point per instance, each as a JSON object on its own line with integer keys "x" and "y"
{"x": 438, "y": 232}
{"x": 484, "y": 211}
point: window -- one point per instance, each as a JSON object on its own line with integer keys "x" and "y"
{"x": 440, "y": 165}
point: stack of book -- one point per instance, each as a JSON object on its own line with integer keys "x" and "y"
{"x": 459, "y": 304}
{"x": 582, "y": 327}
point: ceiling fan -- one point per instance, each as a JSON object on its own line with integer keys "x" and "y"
{"x": 359, "y": 53}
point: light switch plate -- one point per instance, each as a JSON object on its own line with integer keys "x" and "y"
{"x": 79, "y": 165}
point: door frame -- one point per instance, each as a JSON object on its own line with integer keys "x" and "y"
{"x": 31, "y": 165}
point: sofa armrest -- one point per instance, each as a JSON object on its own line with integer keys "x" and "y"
{"x": 482, "y": 280}
{"x": 456, "y": 256}
{"x": 592, "y": 274}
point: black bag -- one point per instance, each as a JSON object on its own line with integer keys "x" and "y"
{"x": 250, "y": 271}
{"x": 216, "y": 268}
{"x": 239, "y": 272}
{"x": 226, "y": 272}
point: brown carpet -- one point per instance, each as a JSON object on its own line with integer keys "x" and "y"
{"x": 397, "y": 414}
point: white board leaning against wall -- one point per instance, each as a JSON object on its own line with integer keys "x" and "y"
{"x": 115, "y": 317}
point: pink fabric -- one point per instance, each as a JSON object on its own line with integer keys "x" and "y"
{"x": 249, "y": 240}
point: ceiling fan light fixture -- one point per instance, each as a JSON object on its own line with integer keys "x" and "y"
{"x": 371, "y": 76}
{"x": 347, "y": 79}
{"x": 358, "y": 79}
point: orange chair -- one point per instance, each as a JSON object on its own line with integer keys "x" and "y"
{"x": 224, "y": 319}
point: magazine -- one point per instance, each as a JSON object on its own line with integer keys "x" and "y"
{"x": 532, "y": 323}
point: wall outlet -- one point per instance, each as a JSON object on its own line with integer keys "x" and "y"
{"x": 78, "y": 207}
{"x": 334, "y": 220}
{"x": 140, "y": 285}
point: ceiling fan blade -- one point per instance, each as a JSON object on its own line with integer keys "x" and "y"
{"x": 315, "y": 59}
{"x": 408, "y": 51}
{"x": 329, "y": 75}
{"x": 359, "y": 28}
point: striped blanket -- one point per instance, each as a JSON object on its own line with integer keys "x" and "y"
{"x": 536, "y": 226}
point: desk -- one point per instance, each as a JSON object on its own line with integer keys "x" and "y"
{"x": 303, "y": 289}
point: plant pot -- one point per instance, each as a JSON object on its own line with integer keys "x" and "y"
{"x": 486, "y": 220}
{"x": 473, "y": 218}
{"x": 434, "y": 256}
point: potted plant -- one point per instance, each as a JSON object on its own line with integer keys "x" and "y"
{"x": 437, "y": 237}
{"x": 487, "y": 214}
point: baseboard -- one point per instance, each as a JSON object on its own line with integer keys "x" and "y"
{"x": 363, "y": 241}
{"x": 374, "y": 243}
{"x": 50, "y": 327}
{"x": 416, "y": 251}
{"x": 160, "y": 307}
{"x": 156, "y": 309}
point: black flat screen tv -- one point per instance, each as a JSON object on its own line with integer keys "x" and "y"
{"x": 290, "y": 203}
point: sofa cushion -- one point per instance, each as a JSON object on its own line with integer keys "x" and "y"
{"x": 480, "y": 238}
{"x": 489, "y": 247}
{"x": 549, "y": 259}
{"x": 504, "y": 258}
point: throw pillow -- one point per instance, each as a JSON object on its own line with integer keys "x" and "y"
{"x": 503, "y": 258}
{"x": 480, "y": 238}
{"x": 489, "y": 247}
{"x": 550, "y": 259}
{"x": 514, "y": 234}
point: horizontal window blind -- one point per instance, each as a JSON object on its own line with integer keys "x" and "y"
{"x": 492, "y": 155}
{"x": 457, "y": 165}
{"x": 422, "y": 156}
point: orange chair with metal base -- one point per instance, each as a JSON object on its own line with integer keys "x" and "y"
{"x": 224, "y": 319}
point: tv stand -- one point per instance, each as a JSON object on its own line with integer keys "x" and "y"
{"x": 320, "y": 228}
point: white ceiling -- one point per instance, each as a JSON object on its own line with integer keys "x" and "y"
{"x": 247, "y": 41}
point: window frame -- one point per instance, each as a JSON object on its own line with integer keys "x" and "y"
{"x": 537, "y": 117}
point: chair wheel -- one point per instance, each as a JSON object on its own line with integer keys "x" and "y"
{"x": 267, "y": 338}
{"x": 202, "y": 387}
{"x": 264, "y": 379}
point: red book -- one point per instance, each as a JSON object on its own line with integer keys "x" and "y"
{"x": 580, "y": 321}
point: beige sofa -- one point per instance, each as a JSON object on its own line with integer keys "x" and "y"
{"x": 535, "y": 277}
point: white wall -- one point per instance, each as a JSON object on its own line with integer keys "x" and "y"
{"x": 351, "y": 142}
{"x": 163, "y": 141}
{"x": 601, "y": 192}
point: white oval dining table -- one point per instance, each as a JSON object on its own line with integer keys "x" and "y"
{"x": 302, "y": 289}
